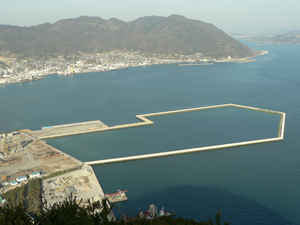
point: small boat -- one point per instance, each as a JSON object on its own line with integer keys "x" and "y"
{"x": 117, "y": 197}
{"x": 119, "y": 193}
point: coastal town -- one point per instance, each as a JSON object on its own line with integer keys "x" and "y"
{"x": 13, "y": 69}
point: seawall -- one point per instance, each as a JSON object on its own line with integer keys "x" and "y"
{"x": 97, "y": 126}
{"x": 183, "y": 151}
{"x": 177, "y": 152}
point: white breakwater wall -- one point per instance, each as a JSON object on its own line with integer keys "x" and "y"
{"x": 282, "y": 126}
{"x": 176, "y": 152}
{"x": 146, "y": 121}
{"x": 143, "y": 118}
{"x": 183, "y": 110}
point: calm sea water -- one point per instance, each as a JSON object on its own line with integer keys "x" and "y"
{"x": 173, "y": 132}
{"x": 255, "y": 184}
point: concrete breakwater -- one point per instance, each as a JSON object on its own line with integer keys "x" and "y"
{"x": 97, "y": 126}
{"x": 177, "y": 152}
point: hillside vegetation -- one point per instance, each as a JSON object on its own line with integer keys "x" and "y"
{"x": 151, "y": 35}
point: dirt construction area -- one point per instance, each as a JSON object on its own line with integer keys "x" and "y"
{"x": 82, "y": 184}
{"x": 24, "y": 154}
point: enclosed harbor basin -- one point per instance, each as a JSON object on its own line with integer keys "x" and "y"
{"x": 178, "y": 130}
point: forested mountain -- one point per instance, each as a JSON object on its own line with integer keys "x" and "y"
{"x": 164, "y": 35}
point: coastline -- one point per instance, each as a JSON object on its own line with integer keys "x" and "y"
{"x": 59, "y": 171}
{"x": 110, "y": 68}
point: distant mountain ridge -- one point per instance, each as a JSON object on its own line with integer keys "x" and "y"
{"x": 163, "y": 35}
{"x": 291, "y": 37}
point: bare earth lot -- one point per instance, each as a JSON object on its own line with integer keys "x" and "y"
{"x": 35, "y": 156}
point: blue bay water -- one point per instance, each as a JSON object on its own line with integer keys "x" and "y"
{"x": 255, "y": 184}
{"x": 173, "y": 132}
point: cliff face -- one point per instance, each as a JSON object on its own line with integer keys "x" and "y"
{"x": 165, "y": 35}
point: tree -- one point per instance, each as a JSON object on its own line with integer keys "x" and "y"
{"x": 70, "y": 212}
{"x": 14, "y": 216}
{"x": 95, "y": 213}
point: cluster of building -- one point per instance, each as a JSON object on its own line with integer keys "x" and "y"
{"x": 22, "y": 179}
{"x": 14, "y": 70}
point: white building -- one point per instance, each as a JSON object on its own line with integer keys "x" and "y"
{"x": 11, "y": 70}
{"x": 14, "y": 183}
{"x": 35, "y": 175}
{"x": 21, "y": 179}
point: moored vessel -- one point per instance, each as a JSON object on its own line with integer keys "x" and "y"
{"x": 117, "y": 197}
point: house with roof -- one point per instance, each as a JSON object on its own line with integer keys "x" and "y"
{"x": 14, "y": 183}
{"x": 35, "y": 175}
{"x": 21, "y": 178}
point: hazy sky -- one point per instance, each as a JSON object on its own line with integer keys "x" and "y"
{"x": 229, "y": 15}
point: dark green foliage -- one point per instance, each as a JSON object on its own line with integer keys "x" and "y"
{"x": 164, "y": 35}
{"x": 70, "y": 212}
{"x": 16, "y": 196}
{"x": 28, "y": 195}
{"x": 95, "y": 213}
{"x": 14, "y": 216}
{"x": 34, "y": 196}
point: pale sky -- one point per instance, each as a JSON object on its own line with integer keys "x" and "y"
{"x": 246, "y": 16}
